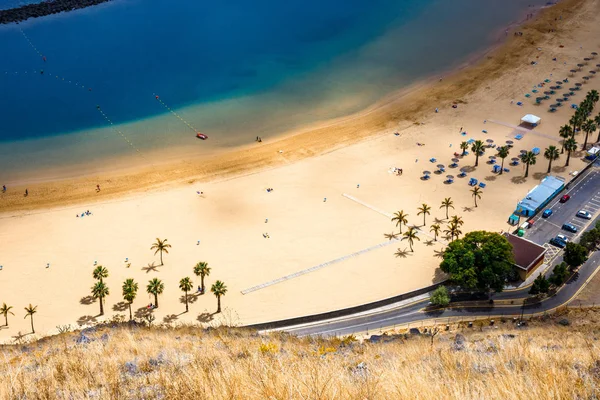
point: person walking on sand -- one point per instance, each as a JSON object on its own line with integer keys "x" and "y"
{"x": 98, "y": 187}
{"x": 4, "y": 188}
{"x": 26, "y": 192}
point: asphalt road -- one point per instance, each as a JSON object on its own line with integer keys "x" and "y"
{"x": 584, "y": 193}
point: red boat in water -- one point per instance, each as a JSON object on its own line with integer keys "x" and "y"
{"x": 201, "y": 136}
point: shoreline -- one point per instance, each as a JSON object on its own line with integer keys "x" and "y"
{"x": 391, "y": 112}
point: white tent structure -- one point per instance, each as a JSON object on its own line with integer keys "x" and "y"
{"x": 531, "y": 119}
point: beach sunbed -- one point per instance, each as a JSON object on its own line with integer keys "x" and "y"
{"x": 432, "y": 160}
{"x": 519, "y": 137}
{"x": 482, "y": 185}
{"x": 472, "y": 182}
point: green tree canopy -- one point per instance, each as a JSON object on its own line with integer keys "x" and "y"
{"x": 480, "y": 260}
{"x": 540, "y": 285}
{"x": 440, "y": 296}
{"x": 559, "y": 274}
{"x": 575, "y": 254}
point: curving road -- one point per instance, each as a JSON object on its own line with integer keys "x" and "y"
{"x": 508, "y": 303}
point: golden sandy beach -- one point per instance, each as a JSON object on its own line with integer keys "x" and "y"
{"x": 348, "y": 162}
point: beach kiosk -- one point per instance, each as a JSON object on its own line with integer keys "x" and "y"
{"x": 531, "y": 119}
{"x": 539, "y": 196}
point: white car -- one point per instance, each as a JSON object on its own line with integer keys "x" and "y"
{"x": 563, "y": 238}
{"x": 584, "y": 214}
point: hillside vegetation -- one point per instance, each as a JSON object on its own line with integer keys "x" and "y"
{"x": 549, "y": 358}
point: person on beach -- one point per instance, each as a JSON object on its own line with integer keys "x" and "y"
{"x": 26, "y": 192}
{"x": 98, "y": 187}
{"x": 4, "y": 188}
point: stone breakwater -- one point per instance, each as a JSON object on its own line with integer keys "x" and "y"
{"x": 15, "y": 15}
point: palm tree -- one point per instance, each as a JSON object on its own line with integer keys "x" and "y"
{"x": 130, "y": 288}
{"x": 400, "y": 218}
{"x": 30, "y": 311}
{"x": 597, "y": 121}
{"x": 528, "y": 159}
{"x": 565, "y": 132}
{"x": 435, "y": 228}
{"x": 456, "y": 220}
{"x": 452, "y": 231}
{"x": 478, "y": 149}
{"x": 570, "y": 145}
{"x": 551, "y": 154}
{"x": 5, "y": 310}
{"x": 202, "y": 269}
{"x": 588, "y": 127}
{"x": 100, "y": 273}
{"x": 160, "y": 246}
{"x": 155, "y": 287}
{"x": 593, "y": 96}
{"x": 448, "y": 203}
{"x": 464, "y": 146}
{"x": 476, "y": 193}
{"x": 575, "y": 121}
{"x": 219, "y": 289}
{"x": 100, "y": 291}
{"x": 186, "y": 285}
{"x": 411, "y": 235}
{"x": 424, "y": 209}
{"x": 503, "y": 153}
{"x": 391, "y": 236}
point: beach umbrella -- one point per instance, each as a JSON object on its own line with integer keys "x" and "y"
{"x": 566, "y": 94}
{"x": 597, "y": 65}
{"x": 572, "y": 71}
{"x": 450, "y": 176}
{"x": 559, "y": 100}
{"x": 578, "y": 84}
{"x": 580, "y": 65}
{"x": 592, "y": 72}
{"x": 522, "y": 152}
{"x": 548, "y": 92}
{"x": 440, "y": 165}
{"x": 517, "y": 158}
{"x": 492, "y": 157}
{"x": 455, "y": 160}
{"x": 594, "y": 54}
{"x": 490, "y": 140}
{"x": 554, "y": 105}
{"x": 553, "y": 87}
{"x": 587, "y": 59}
{"x": 426, "y": 172}
{"x": 558, "y": 82}
{"x": 509, "y": 142}
{"x": 586, "y": 78}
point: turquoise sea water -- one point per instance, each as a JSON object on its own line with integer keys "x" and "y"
{"x": 233, "y": 70}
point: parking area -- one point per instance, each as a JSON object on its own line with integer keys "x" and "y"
{"x": 585, "y": 195}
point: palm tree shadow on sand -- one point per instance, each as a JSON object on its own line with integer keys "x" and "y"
{"x": 518, "y": 179}
{"x": 430, "y": 242}
{"x": 170, "y": 318}
{"x": 120, "y": 306}
{"x": 142, "y": 312}
{"x": 86, "y": 320}
{"x": 192, "y": 298}
{"x": 468, "y": 209}
{"x": 206, "y": 317}
{"x": 87, "y": 300}
{"x": 151, "y": 267}
{"x": 438, "y": 253}
{"x": 402, "y": 253}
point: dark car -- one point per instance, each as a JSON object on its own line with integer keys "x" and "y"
{"x": 569, "y": 228}
{"x": 565, "y": 198}
{"x": 558, "y": 243}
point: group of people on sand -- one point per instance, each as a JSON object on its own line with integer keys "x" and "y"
{"x": 83, "y": 214}
{"x": 269, "y": 190}
{"x": 258, "y": 139}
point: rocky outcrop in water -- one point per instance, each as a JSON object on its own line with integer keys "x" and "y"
{"x": 42, "y": 9}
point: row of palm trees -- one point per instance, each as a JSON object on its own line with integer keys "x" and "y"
{"x": 155, "y": 287}
{"x": 453, "y": 229}
{"x": 30, "y": 310}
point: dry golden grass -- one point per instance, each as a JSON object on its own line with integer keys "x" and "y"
{"x": 543, "y": 360}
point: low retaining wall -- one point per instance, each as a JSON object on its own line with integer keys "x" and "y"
{"x": 343, "y": 312}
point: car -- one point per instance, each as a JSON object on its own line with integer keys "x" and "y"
{"x": 563, "y": 238}
{"x": 558, "y": 243}
{"x": 547, "y": 213}
{"x": 570, "y": 228}
{"x": 565, "y": 198}
{"x": 530, "y": 222}
{"x": 584, "y": 214}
